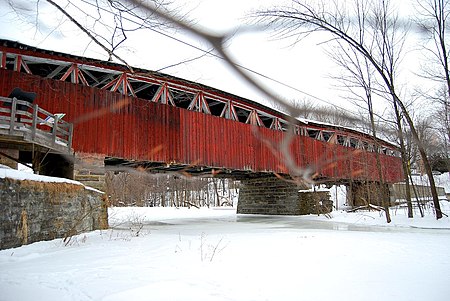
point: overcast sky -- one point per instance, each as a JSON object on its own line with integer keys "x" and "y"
{"x": 304, "y": 66}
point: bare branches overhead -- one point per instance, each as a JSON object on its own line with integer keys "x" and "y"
{"x": 375, "y": 35}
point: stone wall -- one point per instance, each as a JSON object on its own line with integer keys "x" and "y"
{"x": 89, "y": 169}
{"x": 33, "y": 211}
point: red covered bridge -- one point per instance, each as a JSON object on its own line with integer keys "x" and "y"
{"x": 144, "y": 118}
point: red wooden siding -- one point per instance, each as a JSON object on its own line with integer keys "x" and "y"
{"x": 114, "y": 125}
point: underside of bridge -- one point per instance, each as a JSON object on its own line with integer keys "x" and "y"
{"x": 259, "y": 193}
{"x": 43, "y": 160}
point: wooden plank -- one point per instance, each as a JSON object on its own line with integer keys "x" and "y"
{"x": 34, "y": 123}
{"x": 13, "y": 116}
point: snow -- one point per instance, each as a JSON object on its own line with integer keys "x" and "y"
{"x": 155, "y": 253}
{"x": 21, "y": 175}
{"x": 441, "y": 180}
{"x": 215, "y": 254}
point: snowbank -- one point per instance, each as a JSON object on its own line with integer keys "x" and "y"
{"x": 6, "y": 172}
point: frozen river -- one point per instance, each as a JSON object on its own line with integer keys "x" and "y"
{"x": 190, "y": 254}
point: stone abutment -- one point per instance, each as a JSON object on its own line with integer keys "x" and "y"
{"x": 33, "y": 211}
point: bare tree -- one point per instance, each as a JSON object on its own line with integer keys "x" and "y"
{"x": 107, "y": 23}
{"x": 141, "y": 188}
{"x": 360, "y": 78}
{"x": 310, "y": 110}
{"x": 302, "y": 19}
{"x": 433, "y": 25}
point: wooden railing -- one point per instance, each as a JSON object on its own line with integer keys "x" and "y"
{"x": 22, "y": 119}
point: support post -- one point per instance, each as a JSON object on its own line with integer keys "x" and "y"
{"x": 12, "y": 121}
{"x": 34, "y": 122}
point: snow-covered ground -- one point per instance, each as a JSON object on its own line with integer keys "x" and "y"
{"x": 214, "y": 254}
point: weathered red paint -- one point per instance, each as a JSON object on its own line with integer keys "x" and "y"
{"x": 115, "y": 125}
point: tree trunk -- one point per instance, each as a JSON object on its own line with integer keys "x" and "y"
{"x": 217, "y": 193}
{"x": 423, "y": 155}
{"x": 417, "y": 197}
{"x": 377, "y": 156}
{"x": 404, "y": 156}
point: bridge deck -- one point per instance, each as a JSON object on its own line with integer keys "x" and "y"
{"x": 26, "y": 126}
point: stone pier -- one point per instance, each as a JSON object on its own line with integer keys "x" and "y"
{"x": 267, "y": 194}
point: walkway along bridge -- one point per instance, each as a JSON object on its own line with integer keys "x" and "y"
{"x": 32, "y": 124}
{"x": 163, "y": 123}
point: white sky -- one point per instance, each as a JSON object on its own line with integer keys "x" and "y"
{"x": 304, "y": 66}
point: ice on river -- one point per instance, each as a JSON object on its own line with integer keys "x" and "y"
{"x": 214, "y": 254}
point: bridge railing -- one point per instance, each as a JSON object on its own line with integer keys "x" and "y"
{"x": 19, "y": 118}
